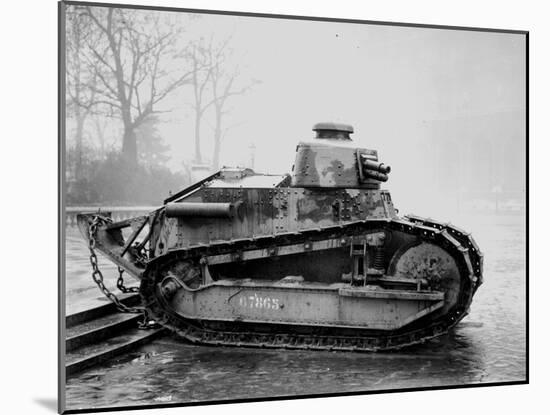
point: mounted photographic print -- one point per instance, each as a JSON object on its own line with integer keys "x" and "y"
{"x": 257, "y": 207}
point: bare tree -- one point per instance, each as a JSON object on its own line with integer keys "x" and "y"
{"x": 212, "y": 74}
{"x": 199, "y": 57}
{"x": 130, "y": 63}
{"x": 100, "y": 126}
{"x": 80, "y": 98}
{"x": 152, "y": 149}
{"x": 224, "y": 84}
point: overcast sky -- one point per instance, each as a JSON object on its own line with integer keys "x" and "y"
{"x": 391, "y": 83}
{"x": 384, "y": 80}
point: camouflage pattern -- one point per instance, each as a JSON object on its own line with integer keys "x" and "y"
{"x": 271, "y": 211}
{"x": 330, "y": 164}
{"x": 328, "y": 186}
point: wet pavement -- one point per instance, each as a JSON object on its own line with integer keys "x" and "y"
{"x": 488, "y": 346}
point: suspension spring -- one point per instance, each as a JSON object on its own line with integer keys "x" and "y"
{"x": 379, "y": 257}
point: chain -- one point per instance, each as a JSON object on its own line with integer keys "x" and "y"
{"x": 97, "y": 276}
{"x": 120, "y": 283}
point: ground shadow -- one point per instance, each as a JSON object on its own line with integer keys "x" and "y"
{"x": 48, "y": 403}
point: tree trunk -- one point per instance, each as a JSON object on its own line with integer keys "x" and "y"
{"x": 79, "y": 138}
{"x": 101, "y": 137}
{"x": 217, "y": 142}
{"x": 198, "y": 156}
{"x": 129, "y": 146}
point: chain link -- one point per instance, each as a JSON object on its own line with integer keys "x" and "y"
{"x": 120, "y": 283}
{"x": 97, "y": 276}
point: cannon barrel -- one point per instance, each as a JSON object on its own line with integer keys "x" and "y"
{"x": 375, "y": 166}
{"x": 376, "y": 175}
{"x": 201, "y": 209}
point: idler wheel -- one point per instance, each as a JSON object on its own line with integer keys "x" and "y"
{"x": 431, "y": 263}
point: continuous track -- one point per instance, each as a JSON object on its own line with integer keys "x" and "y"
{"x": 458, "y": 243}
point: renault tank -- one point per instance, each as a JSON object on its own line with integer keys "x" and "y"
{"x": 317, "y": 259}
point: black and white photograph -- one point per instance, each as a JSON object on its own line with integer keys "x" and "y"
{"x": 262, "y": 207}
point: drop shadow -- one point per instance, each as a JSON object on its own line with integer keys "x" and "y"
{"x": 48, "y": 403}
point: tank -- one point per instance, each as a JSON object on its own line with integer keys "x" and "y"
{"x": 317, "y": 259}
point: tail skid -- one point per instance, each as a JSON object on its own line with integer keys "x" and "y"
{"x": 110, "y": 241}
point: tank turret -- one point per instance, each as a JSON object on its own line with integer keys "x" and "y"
{"x": 332, "y": 161}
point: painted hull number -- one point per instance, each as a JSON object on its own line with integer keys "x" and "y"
{"x": 256, "y": 301}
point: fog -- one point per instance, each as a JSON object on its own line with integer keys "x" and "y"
{"x": 445, "y": 108}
